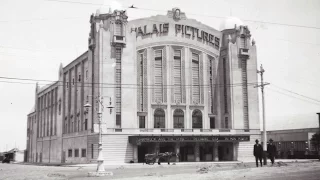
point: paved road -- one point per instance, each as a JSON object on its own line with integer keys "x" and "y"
{"x": 293, "y": 171}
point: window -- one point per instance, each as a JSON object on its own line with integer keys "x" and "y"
{"x": 118, "y": 87}
{"x": 86, "y": 124}
{"x": 177, "y": 75}
{"x": 72, "y": 81}
{"x": 225, "y": 86}
{"x": 67, "y": 85}
{"x": 59, "y": 106}
{"x": 196, "y": 119}
{"x": 158, "y": 89}
{"x": 76, "y": 153}
{"x": 226, "y": 122}
{"x": 118, "y": 120}
{"x": 86, "y": 74}
{"x": 178, "y": 119}
{"x": 142, "y": 122}
{"x": 91, "y": 151}
{"x": 212, "y": 122}
{"x": 159, "y": 118}
{"x": 195, "y": 78}
{"x": 83, "y": 153}
{"x": 70, "y": 153}
{"x": 243, "y": 43}
{"x": 141, "y": 81}
{"x": 118, "y": 29}
{"x": 79, "y": 78}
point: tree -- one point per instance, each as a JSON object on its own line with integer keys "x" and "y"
{"x": 315, "y": 141}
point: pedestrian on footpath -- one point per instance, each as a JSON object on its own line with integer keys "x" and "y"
{"x": 257, "y": 152}
{"x": 272, "y": 150}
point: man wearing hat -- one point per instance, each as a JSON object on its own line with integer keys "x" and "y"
{"x": 257, "y": 152}
{"x": 272, "y": 150}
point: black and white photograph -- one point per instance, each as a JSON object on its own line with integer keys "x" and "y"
{"x": 150, "y": 90}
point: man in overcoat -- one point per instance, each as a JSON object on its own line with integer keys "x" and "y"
{"x": 257, "y": 152}
{"x": 272, "y": 150}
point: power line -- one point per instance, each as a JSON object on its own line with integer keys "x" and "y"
{"x": 202, "y": 85}
{"x": 274, "y": 90}
{"x": 296, "y": 93}
{"x": 107, "y": 87}
{"x": 220, "y": 17}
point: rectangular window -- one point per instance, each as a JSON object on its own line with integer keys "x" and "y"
{"x": 225, "y": 86}
{"x": 177, "y": 75}
{"x": 212, "y": 123}
{"x": 141, "y": 81}
{"x": 158, "y": 89}
{"x": 70, "y": 153}
{"x": 73, "y": 81}
{"x": 118, "y": 86}
{"x": 226, "y": 122}
{"x": 91, "y": 151}
{"x": 67, "y": 85}
{"x": 76, "y": 153}
{"x": 79, "y": 78}
{"x": 195, "y": 78}
{"x": 83, "y": 153}
{"x": 243, "y": 43}
{"x": 86, "y": 124}
{"x": 118, "y": 120}
{"x": 142, "y": 122}
{"x": 86, "y": 74}
{"x": 211, "y": 100}
{"x": 118, "y": 29}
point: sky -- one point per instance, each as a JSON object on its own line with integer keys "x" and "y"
{"x": 37, "y": 35}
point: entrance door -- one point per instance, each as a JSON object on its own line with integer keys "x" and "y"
{"x": 142, "y": 150}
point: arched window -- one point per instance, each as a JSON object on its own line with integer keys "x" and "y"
{"x": 159, "y": 118}
{"x": 178, "y": 119}
{"x": 196, "y": 119}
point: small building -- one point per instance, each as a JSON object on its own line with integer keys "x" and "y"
{"x": 15, "y": 155}
{"x": 294, "y": 143}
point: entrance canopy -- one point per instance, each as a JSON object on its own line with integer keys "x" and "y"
{"x": 158, "y": 138}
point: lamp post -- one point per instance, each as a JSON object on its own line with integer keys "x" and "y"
{"x": 100, "y": 168}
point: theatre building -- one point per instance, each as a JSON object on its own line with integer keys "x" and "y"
{"x": 164, "y": 83}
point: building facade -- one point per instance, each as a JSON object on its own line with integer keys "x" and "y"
{"x": 294, "y": 143}
{"x": 166, "y": 83}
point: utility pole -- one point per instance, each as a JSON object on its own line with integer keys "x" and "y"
{"x": 263, "y": 115}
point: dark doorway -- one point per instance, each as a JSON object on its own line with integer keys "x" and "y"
{"x": 142, "y": 151}
{"x": 166, "y": 148}
{"x": 186, "y": 151}
{"x": 220, "y": 153}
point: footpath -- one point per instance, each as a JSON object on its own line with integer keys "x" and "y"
{"x": 128, "y": 165}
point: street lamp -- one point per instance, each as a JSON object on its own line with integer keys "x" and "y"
{"x": 100, "y": 167}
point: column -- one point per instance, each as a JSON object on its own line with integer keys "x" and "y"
{"x": 135, "y": 153}
{"x": 235, "y": 151}
{"x": 157, "y": 150}
{"x": 197, "y": 152}
{"x": 177, "y": 151}
{"x": 215, "y": 152}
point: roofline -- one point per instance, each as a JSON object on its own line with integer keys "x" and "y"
{"x": 79, "y": 57}
{"x": 301, "y": 129}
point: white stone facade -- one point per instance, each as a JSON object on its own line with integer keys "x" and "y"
{"x": 165, "y": 75}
